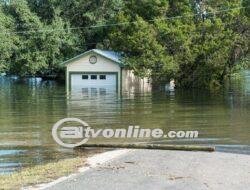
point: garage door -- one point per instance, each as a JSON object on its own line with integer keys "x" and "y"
{"x": 94, "y": 81}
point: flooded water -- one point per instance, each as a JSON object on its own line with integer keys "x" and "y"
{"x": 29, "y": 108}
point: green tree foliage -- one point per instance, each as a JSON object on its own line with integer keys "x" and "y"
{"x": 197, "y": 42}
{"x": 7, "y": 41}
{"x": 39, "y": 46}
{"x": 45, "y": 9}
{"x": 27, "y": 59}
{"x": 87, "y": 13}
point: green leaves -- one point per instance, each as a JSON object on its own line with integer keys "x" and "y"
{"x": 7, "y": 45}
{"x": 174, "y": 43}
{"x": 32, "y": 46}
{"x": 144, "y": 54}
{"x": 198, "y": 43}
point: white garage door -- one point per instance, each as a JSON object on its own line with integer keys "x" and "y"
{"x": 94, "y": 81}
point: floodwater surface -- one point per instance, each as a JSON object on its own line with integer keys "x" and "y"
{"x": 29, "y": 108}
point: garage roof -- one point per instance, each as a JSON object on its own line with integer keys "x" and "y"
{"x": 111, "y": 55}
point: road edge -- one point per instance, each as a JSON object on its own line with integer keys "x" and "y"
{"x": 92, "y": 162}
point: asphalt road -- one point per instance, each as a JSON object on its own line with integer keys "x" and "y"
{"x": 175, "y": 170}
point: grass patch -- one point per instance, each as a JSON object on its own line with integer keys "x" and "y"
{"x": 41, "y": 173}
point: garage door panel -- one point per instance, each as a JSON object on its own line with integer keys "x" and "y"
{"x": 80, "y": 80}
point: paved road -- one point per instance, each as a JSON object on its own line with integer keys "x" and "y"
{"x": 175, "y": 170}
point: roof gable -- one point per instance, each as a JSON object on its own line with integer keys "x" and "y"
{"x": 111, "y": 55}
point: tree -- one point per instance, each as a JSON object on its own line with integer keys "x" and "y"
{"x": 40, "y": 46}
{"x": 7, "y": 45}
{"x": 199, "y": 42}
{"x": 83, "y": 14}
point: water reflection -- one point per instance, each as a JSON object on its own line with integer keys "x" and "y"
{"x": 30, "y": 107}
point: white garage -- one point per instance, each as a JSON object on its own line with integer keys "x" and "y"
{"x": 99, "y": 69}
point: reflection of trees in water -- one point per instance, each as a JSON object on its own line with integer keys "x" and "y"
{"x": 238, "y": 90}
{"x": 31, "y": 98}
{"x": 218, "y": 114}
{"x": 247, "y": 81}
{"x": 28, "y": 109}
